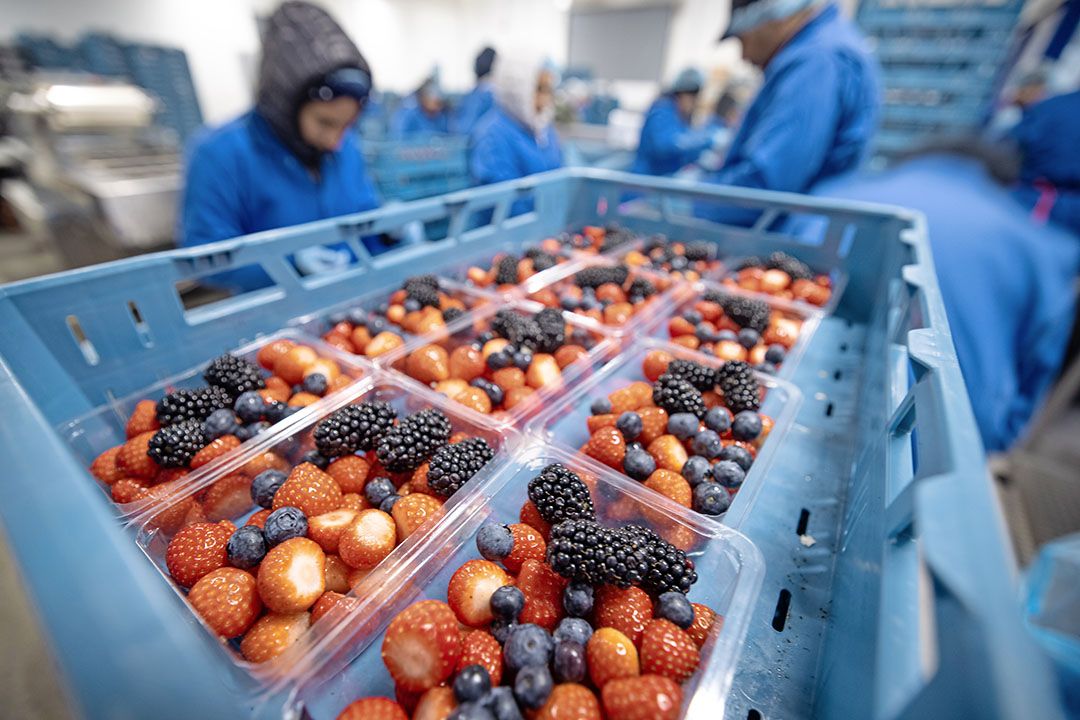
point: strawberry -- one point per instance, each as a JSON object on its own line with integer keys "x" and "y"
{"x": 470, "y": 589}
{"x": 530, "y": 516}
{"x": 272, "y": 635}
{"x": 627, "y": 610}
{"x": 435, "y": 704}
{"x": 704, "y": 619}
{"x": 671, "y": 485}
{"x": 631, "y": 397}
{"x": 309, "y": 489}
{"x": 350, "y": 473}
{"x": 528, "y": 543}
{"x": 368, "y": 539}
{"x": 521, "y": 396}
{"x": 195, "y": 551}
{"x": 422, "y": 645}
{"x": 608, "y": 446}
{"x": 418, "y": 483}
{"x": 271, "y": 351}
{"x": 227, "y": 600}
{"x": 292, "y": 576}
{"x": 451, "y": 388}
{"x": 570, "y": 701}
{"x": 104, "y": 467}
{"x": 336, "y": 573}
{"x": 667, "y": 650}
{"x": 678, "y": 326}
{"x": 543, "y": 372}
{"x": 479, "y": 647}
{"x": 610, "y": 291}
{"x": 303, "y": 399}
{"x": 611, "y": 656}
{"x": 466, "y": 363}
{"x": 133, "y": 459}
{"x": 668, "y": 452}
{"x": 228, "y": 497}
{"x": 214, "y": 450}
{"x": 543, "y": 589}
{"x": 656, "y": 363}
{"x": 143, "y": 419}
{"x": 709, "y": 310}
{"x": 328, "y": 601}
{"x": 428, "y": 364}
{"x": 595, "y": 422}
{"x": 415, "y": 511}
{"x": 264, "y": 461}
{"x": 618, "y": 313}
{"x": 687, "y": 341}
{"x": 509, "y": 378}
{"x": 173, "y": 513}
{"x": 649, "y": 697}
{"x": 569, "y": 354}
{"x": 326, "y": 529}
{"x": 259, "y": 519}
{"x": 194, "y": 515}
{"x": 653, "y": 424}
{"x": 383, "y": 343}
{"x": 354, "y": 501}
{"x": 475, "y": 398}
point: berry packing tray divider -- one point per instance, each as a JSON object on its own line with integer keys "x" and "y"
{"x": 730, "y": 572}
{"x": 564, "y": 423}
{"x": 259, "y": 681}
{"x": 90, "y": 434}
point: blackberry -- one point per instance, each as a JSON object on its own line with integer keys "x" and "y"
{"x": 664, "y": 567}
{"x": 353, "y": 427}
{"x": 559, "y": 494}
{"x": 746, "y": 312}
{"x": 594, "y": 277}
{"x": 544, "y": 261}
{"x": 614, "y": 237}
{"x": 696, "y": 251}
{"x": 677, "y": 395}
{"x": 741, "y": 388}
{"x": 797, "y": 269}
{"x": 747, "y": 262}
{"x": 408, "y": 444}
{"x": 552, "y": 330}
{"x": 506, "y": 272}
{"x": 192, "y": 404}
{"x": 700, "y": 376}
{"x": 454, "y": 465}
{"x": 424, "y": 289}
{"x": 235, "y": 375}
{"x": 451, "y": 314}
{"x": 175, "y": 445}
{"x": 518, "y": 329}
{"x": 641, "y": 288}
{"x": 581, "y": 550}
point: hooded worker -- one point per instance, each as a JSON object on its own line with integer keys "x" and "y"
{"x": 475, "y": 104}
{"x": 816, "y": 111}
{"x": 1048, "y": 138}
{"x": 423, "y": 113}
{"x": 292, "y": 159}
{"x": 668, "y": 140}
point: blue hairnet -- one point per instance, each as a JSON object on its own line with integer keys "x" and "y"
{"x": 748, "y": 14}
{"x": 689, "y": 80}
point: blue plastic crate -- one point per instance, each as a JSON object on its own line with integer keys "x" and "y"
{"x": 414, "y": 169}
{"x": 890, "y": 588}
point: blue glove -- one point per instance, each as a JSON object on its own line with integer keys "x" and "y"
{"x": 319, "y": 260}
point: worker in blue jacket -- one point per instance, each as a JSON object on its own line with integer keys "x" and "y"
{"x": 816, "y": 111}
{"x": 517, "y": 137}
{"x": 477, "y": 101}
{"x": 1048, "y": 136}
{"x": 292, "y": 159}
{"x": 668, "y": 139}
{"x": 422, "y": 114}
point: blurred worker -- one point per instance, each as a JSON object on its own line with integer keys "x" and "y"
{"x": 668, "y": 139}
{"x": 1048, "y": 137}
{"x": 292, "y": 159}
{"x": 815, "y": 113}
{"x": 423, "y": 114}
{"x": 517, "y": 137}
{"x": 480, "y": 99}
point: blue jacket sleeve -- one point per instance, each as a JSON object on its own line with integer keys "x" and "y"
{"x": 669, "y": 141}
{"x": 491, "y": 159}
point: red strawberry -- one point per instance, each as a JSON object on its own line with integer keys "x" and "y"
{"x": 143, "y": 419}
{"x": 422, "y": 645}
{"x": 264, "y": 461}
{"x": 326, "y": 529}
{"x": 671, "y": 485}
{"x": 227, "y": 600}
{"x": 667, "y": 650}
{"x": 531, "y": 516}
{"x": 173, "y": 514}
{"x": 668, "y": 452}
{"x": 228, "y": 497}
{"x": 678, "y": 326}
{"x": 272, "y": 635}
{"x": 259, "y": 519}
{"x": 292, "y": 576}
{"x": 611, "y": 656}
{"x": 127, "y": 490}
{"x": 479, "y": 647}
{"x": 368, "y": 539}
{"x": 195, "y": 551}
{"x": 435, "y": 704}
{"x": 309, "y": 489}
{"x": 528, "y": 543}
{"x": 656, "y": 363}
{"x": 354, "y": 501}
{"x": 649, "y": 697}
{"x": 470, "y": 589}
{"x": 216, "y": 448}
{"x": 104, "y": 467}
{"x": 627, "y": 610}
{"x": 328, "y": 601}
{"x": 195, "y": 515}
{"x": 543, "y": 589}
{"x": 373, "y": 708}
{"x": 570, "y": 701}
{"x": 595, "y": 422}
{"x": 133, "y": 459}
{"x": 653, "y": 424}
{"x": 631, "y": 397}
{"x": 415, "y": 511}
{"x": 350, "y": 473}
{"x": 406, "y": 699}
{"x": 337, "y": 574}
{"x": 543, "y": 372}
{"x": 704, "y": 618}
{"x": 608, "y": 446}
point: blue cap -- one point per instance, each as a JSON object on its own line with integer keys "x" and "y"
{"x": 690, "y": 80}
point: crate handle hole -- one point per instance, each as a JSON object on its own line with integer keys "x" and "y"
{"x": 804, "y": 520}
{"x": 843, "y": 347}
{"x": 783, "y": 602}
{"x": 829, "y": 409}
{"x": 753, "y": 714}
{"x": 837, "y": 375}
{"x": 89, "y": 352}
{"x": 141, "y": 328}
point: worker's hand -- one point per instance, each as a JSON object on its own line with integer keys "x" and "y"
{"x": 319, "y": 260}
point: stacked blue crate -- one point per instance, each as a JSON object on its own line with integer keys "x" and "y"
{"x": 103, "y": 54}
{"x": 164, "y": 73}
{"x": 43, "y": 52}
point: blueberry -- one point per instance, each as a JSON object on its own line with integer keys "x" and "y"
{"x": 275, "y": 411}
{"x": 532, "y": 685}
{"x": 507, "y": 602}
{"x": 500, "y": 701}
{"x": 337, "y": 317}
{"x": 315, "y": 458}
{"x": 471, "y": 711}
{"x": 357, "y": 316}
{"x": 746, "y": 425}
{"x": 718, "y": 419}
{"x": 707, "y": 444}
{"x": 316, "y": 384}
{"x": 705, "y": 332}
{"x": 378, "y": 490}
{"x": 246, "y": 547}
{"x": 499, "y": 360}
{"x": 775, "y": 354}
{"x": 569, "y": 662}
{"x": 679, "y": 262}
{"x": 766, "y": 367}
{"x": 706, "y": 350}
{"x": 250, "y": 406}
{"x": 522, "y": 360}
{"x": 501, "y": 629}
{"x": 675, "y": 607}
{"x": 265, "y": 485}
{"x": 692, "y": 316}
{"x": 749, "y": 337}
{"x": 485, "y": 337}
{"x": 728, "y": 473}
{"x": 494, "y": 541}
{"x": 471, "y": 683}
{"x": 411, "y": 305}
{"x": 285, "y": 523}
{"x": 600, "y": 406}
{"x": 605, "y": 302}
{"x": 739, "y": 456}
{"x": 573, "y": 630}
{"x": 695, "y": 469}
{"x": 569, "y": 303}
{"x": 297, "y": 388}
{"x": 727, "y": 336}
{"x": 639, "y": 464}
{"x": 577, "y": 599}
{"x": 683, "y": 425}
{"x": 376, "y": 325}
{"x": 631, "y": 446}
{"x": 711, "y": 499}
{"x": 387, "y": 505}
{"x": 528, "y": 644}
{"x": 249, "y": 431}
{"x": 493, "y": 391}
{"x": 630, "y": 425}
{"x": 220, "y": 422}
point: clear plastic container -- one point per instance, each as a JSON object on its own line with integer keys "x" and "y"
{"x": 466, "y": 332}
{"x": 727, "y": 276}
{"x": 477, "y": 269}
{"x": 104, "y": 427}
{"x": 287, "y": 445}
{"x": 790, "y": 325}
{"x": 564, "y": 422}
{"x": 729, "y": 567}
{"x": 643, "y": 255}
